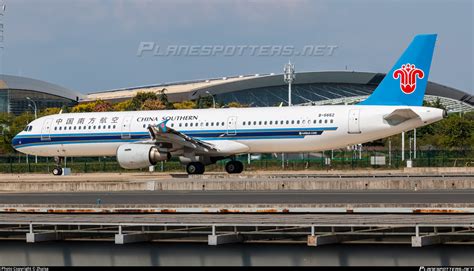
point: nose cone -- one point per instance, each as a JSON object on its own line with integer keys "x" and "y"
{"x": 16, "y": 142}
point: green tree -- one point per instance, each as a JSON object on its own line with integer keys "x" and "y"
{"x": 49, "y": 111}
{"x": 140, "y": 98}
{"x": 457, "y": 132}
{"x": 236, "y": 105}
{"x": 185, "y": 105}
{"x": 152, "y": 105}
{"x": 123, "y": 106}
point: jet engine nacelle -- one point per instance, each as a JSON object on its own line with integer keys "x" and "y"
{"x": 135, "y": 156}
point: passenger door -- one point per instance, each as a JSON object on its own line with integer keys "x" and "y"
{"x": 46, "y": 130}
{"x": 354, "y": 121}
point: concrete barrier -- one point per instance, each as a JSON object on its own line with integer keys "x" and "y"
{"x": 147, "y": 182}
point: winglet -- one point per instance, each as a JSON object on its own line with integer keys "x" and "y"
{"x": 162, "y": 126}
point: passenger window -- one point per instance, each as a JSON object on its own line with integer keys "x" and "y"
{"x": 70, "y": 127}
{"x": 271, "y": 122}
{"x": 320, "y": 121}
{"x": 287, "y": 122}
{"x": 78, "y": 127}
{"x": 298, "y": 122}
{"x": 60, "y": 128}
{"x": 186, "y": 124}
{"x": 292, "y": 122}
{"x": 325, "y": 121}
{"x": 243, "y": 123}
{"x": 332, "y": 121}
{"x": 114, "y": 126}
{"x": 212, "y": 123}
{"x": 254, "y": 123}
{"x": 265, "y": 123}
{"x": 207, "y": 123}
{"x": 180, "y": 124}
{"x": 260, "y": 123}
{"x": 222, "y": 123}
{"x": 314, "y": 121}
{"x": 191, "y": 124}
{"x": 55, "y": 128}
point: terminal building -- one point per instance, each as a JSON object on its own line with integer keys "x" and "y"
{"x": 308, "y": 88}
{"x": 21, "y": 94}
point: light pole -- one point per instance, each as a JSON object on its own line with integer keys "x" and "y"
{"x": 34, "y": 104}
{"x": 36, "y": 116}
{"x": 289, "y": 76}
{"x": 213, "y": 100}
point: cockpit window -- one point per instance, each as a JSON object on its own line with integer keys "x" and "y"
{"x": 29, "y": 129}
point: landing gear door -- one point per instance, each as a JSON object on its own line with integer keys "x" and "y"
{"x": 126, "y": 123}
{"x": 231, "y": 126}
{"x": 46, "y": 130}
{"x": 354, "y": 121}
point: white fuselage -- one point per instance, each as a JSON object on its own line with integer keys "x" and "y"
{"x": 261, "y": 130}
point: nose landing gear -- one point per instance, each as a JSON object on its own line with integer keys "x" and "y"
{"x": 58, "y": 170}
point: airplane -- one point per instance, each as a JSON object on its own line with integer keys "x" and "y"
{"x": 201, "y": 137}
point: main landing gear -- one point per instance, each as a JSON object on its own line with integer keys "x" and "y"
{"x": 234, "y": 166}
{"x": 58, "y": 170}
{"x": 195, "y": 168}
{"x": 231, "y": 167}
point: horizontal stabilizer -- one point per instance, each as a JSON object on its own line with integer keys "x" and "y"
{"x": 400, "y": 115}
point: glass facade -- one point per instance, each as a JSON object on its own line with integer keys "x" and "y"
{"x": 14, "y": 101}
{"x": 301, "y": 93}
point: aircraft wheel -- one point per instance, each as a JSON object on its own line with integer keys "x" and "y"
{"x": 195, "y": 168}
{"x": 57, "y": 171}
{"x": 234, "y": 167}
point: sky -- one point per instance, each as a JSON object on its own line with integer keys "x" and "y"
{"x": 92, "y": 45}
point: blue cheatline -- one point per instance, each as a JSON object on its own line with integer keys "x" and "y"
{"x": 277, "y": 133}
{"x": 405, "y": 83}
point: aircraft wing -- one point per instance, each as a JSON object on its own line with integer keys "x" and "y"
{"x": 161, "y": 133}
{"x": 168, "y": 138}
{"x": 400, "y": 115}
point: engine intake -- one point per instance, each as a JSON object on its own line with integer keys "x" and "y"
{"x": 135, "y": 156}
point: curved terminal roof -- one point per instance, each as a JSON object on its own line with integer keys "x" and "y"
{"x": 180, "y": 91}
{"x": 24, "y": 83}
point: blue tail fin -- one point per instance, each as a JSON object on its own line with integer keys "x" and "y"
{"x": 405, "y": 84}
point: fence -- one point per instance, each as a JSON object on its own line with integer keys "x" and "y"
{"x": 340, "y": 159}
